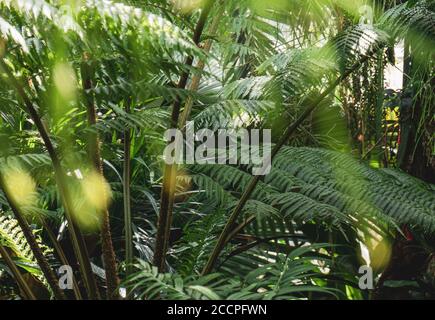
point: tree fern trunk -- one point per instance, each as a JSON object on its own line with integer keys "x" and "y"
{"x": 22, "y": 284}
{"x": 76, "y": 235}
{"x": 94, "y": 154}
{"x": 36, "y": 250}
{"x": 127, "y": 204}
{"x": 200, "y": 65}
{"x": 170, "y": 171}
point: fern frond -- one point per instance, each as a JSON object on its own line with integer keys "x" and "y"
{"x": 404, "y": 18}
{"x": 287, "y": 277}
{"x": 12, "y": 237}
{"x": 147, "y": 25}
{"x": 9, "y": 32}
{"x": 317, "y": 184}
{"x": 41, "y": 9}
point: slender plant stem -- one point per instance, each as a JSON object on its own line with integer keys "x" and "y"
{"x": 170, "y": 170}
{"x": 33, "y": 244}
{"x": 76, "y": 235}
{"x": 201, "y": 64}
{"x": 62, "y": 257}
{"x": 94, "y": 153}
{"x": 22, "y": 283}
{"x": 223, "y": 238}
{"x": 127, "y": 203}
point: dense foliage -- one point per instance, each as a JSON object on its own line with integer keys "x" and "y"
{"x": 88, "y": 88}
